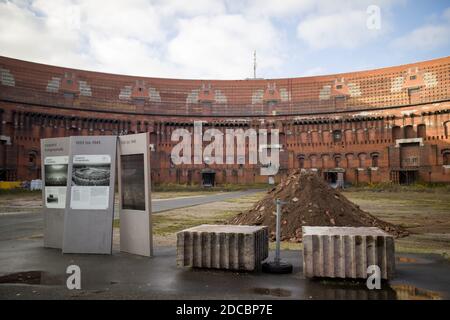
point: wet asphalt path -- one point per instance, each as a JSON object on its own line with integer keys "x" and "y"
{"x": 160, "y": 205}
{"x": 23, "y": 225}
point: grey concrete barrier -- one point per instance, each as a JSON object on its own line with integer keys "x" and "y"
{"x": 346, "y": 252}
{"x": 223, "y": 247}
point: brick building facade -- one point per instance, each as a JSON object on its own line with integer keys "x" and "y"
{"x": 390, "y": 124}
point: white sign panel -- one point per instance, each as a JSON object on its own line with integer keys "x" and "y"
{"x": 55, "y": 181}
{"x": 90, "y": 182}
{"x": 89, "y": 213}
{"x": 134, "y": 194}
{"x": 55, "y": 178}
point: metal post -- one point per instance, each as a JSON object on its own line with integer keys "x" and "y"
{"x": 277, "y": 266}
{"x": 277, "y": 249}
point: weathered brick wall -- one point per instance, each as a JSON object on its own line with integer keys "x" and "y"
{"x": 39, "y": 101}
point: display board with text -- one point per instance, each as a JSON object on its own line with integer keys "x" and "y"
{"x": 89, "y": 212}
{"x": 134, "y": 194}
{"x": 54, "y": 169}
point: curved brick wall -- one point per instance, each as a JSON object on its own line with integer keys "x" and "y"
{"x": 42, "y": 84}
{"x": 349, "y": 122}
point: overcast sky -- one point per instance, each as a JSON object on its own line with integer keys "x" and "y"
{"x": 216, "y": 38}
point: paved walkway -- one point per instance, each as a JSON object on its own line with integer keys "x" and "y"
{"x": 161, "y": 205}
{"x": 125, "y": 276}
{"x": 27, "y": 224}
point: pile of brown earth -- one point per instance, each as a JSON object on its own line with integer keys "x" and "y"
{"x": 310, "y": 202}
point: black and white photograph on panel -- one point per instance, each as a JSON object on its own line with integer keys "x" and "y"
{"x": 133, "y": 182}
{"x": 56, "y": 175}
{"x": 90, "y": 181}
{"x": 55, "y": 179}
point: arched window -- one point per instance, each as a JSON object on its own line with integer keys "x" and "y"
{"x": 421, "y": 131}
{"x": 375, "y": 157}
{"x": 32, "y": 159}
{"x": 396, "y": 133}
{"x": 301, "y": 162}
{"x": 446, "y": 158}
{"x": 337, "y": 161}
{"x": 409, "y": 132}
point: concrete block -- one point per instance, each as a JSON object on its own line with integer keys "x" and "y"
{"x": 223, "y": 247}
{"x": 346, "y": 252}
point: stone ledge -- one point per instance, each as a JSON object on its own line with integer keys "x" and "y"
{"x": 223, "y": 247}
{"x": 346, "y": 252}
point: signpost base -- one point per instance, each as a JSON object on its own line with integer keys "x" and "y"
{"x": 280, "y": 267}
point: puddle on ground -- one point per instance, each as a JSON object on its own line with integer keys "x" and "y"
{"x": 31, "y": 277}
{"x": 28, "y": 277}
{"x": 276, "y": 292}
{"x": 408, "y": 292}
{"x": 406, "y": 260}
{"x": 340, "y": 289}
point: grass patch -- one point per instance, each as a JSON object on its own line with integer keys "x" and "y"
{"x": 166, "y": 224}
{"x": 286, "y": 245}
{"x": 426, "y": 215}
{"x": 246, "y": 199}
{"x": 396, "y": 188}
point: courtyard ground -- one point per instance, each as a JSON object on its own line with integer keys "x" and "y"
{"x": 424, "y": 212}
{"x": 426, "y": 215}
{"x": 29, "y": 271}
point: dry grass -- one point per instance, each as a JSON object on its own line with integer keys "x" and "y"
{"x": 426, "y": 215}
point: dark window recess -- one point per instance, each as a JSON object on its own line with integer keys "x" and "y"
{"x": 446, "y": 159}
{"x": 32, "y": 159}
{"x": 337, "y": 136}
{"x": 337, "y": 162}
{"x": 375, "y": 161}
{"x": 339, "y": 86}
{"x": 301, "y": 162}
{"x": 412, "y": 77}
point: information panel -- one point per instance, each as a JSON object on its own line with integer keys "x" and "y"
{"x": 89, "y": 213}
{"x": 54, "y": 168}
{"x": 134, "y": 194}
{"x": 90, "y": 182}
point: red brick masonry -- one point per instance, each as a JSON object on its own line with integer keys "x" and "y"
{"x": 378, "y": 125}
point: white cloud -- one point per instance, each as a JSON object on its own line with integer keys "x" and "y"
{"x": 139, "y": 37}
{"x": 125, "y": 56}
{"x": 25, "y": 35}
{"x": 176, "y": 38}
{"x": 276, "y": 8}
{"x": 222, "y": 46}
{"x": 345, "y": 29}
{"x": 343, "y": 24}
{"x": 427, "y": 37}
{"x": 191, "y": 8}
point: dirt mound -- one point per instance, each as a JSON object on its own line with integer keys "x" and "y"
{"x": 310, "y": 202}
